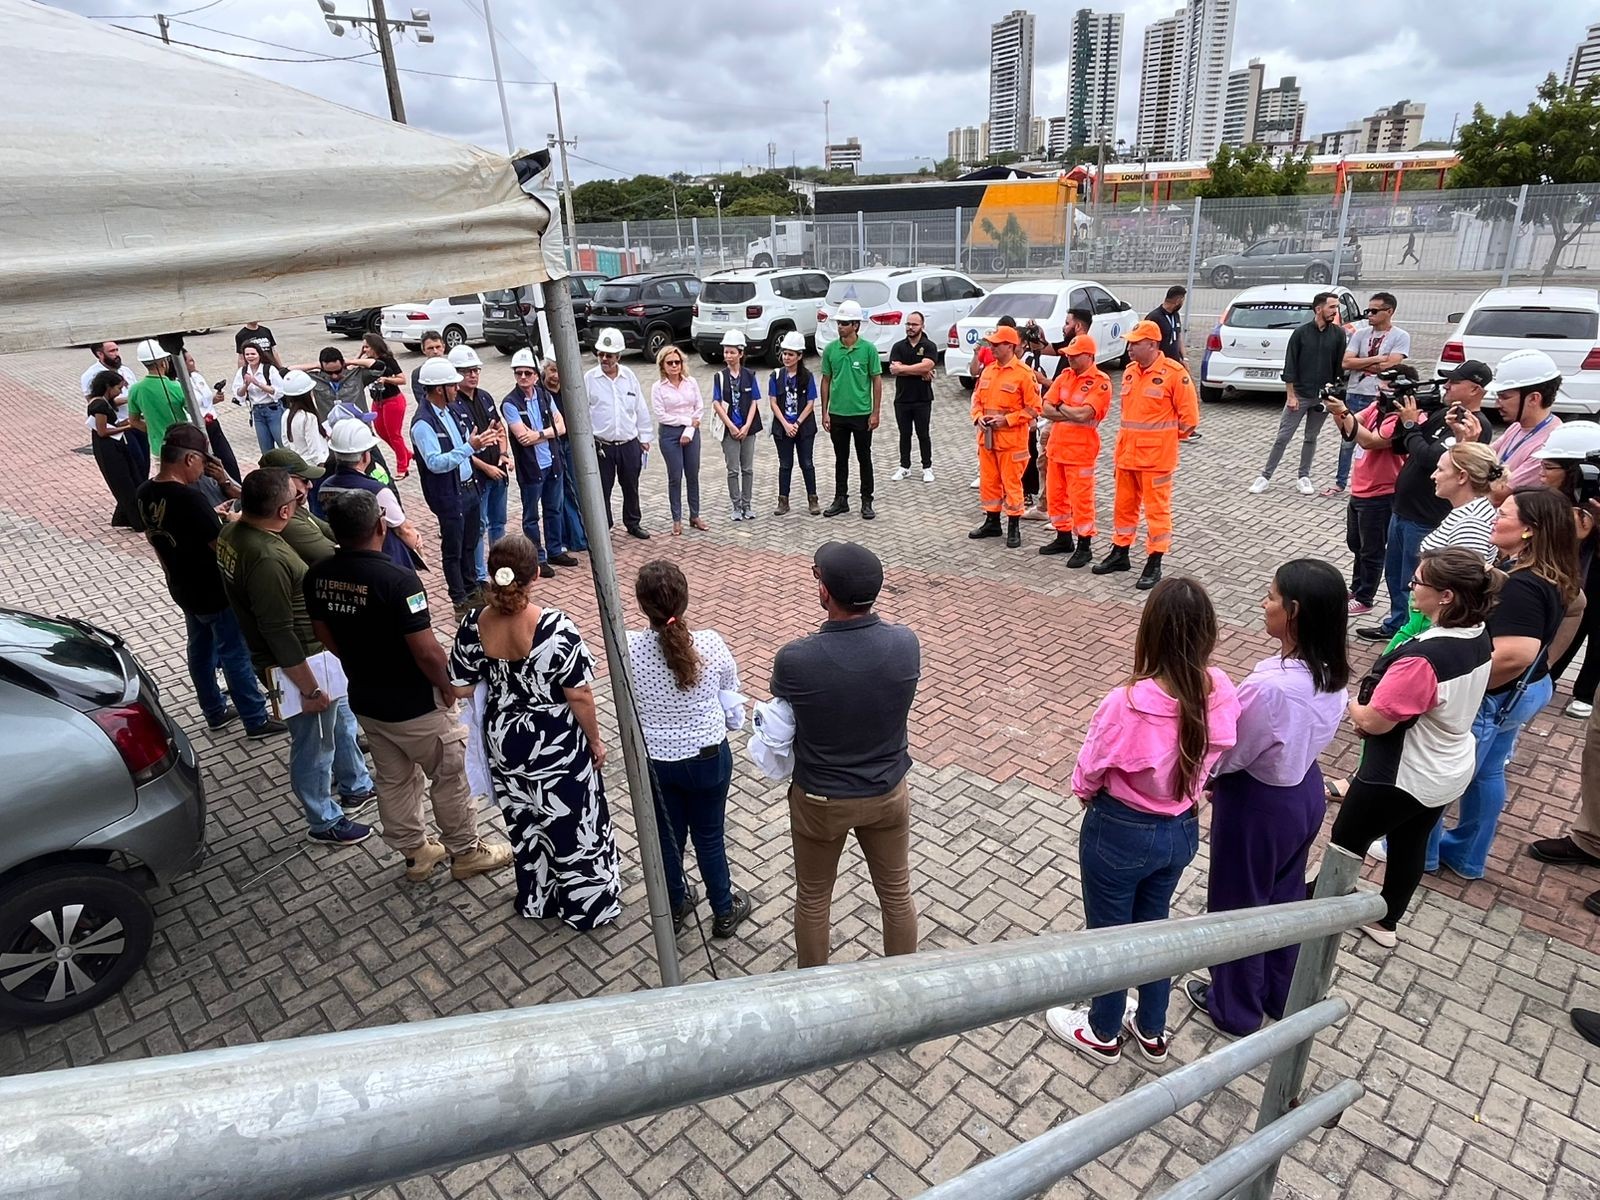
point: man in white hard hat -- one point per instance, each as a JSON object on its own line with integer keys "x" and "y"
{"x": 536, "y": 428}
{"x": 442, "y": 434}
{"x": 852, "y": 396}
{"x": 492, "y": 463}
{"x": 622, "y": 430}
{"x": 1526, "y": 384}
{"x": 159, "y": 400}
{"x": 350, "y": 448}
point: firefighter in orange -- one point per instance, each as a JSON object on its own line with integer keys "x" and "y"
{"x": 1077, "y": 402}
{"x": 1159, "y": 409}
{"x": 1005, "y": 403}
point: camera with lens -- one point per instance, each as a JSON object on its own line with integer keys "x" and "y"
{"x": 1403, "y": 385}
{"x": 1033, "y": 336}
{"x": 1333, "y": 390}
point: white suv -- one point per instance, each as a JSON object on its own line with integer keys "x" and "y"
{"x": 888, "y": 294}
{"x": 762, "y": 303}
{"x": 1564, "y": 322}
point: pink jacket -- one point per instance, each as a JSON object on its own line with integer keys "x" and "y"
{"x": 1131, "y": 749}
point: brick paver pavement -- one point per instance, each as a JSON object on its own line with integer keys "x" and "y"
{"x": 1476, "y": 1084}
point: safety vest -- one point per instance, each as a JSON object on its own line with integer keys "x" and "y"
{"x": 1069, "y": 441}
{"x": 1156, "y": 400}
{"x": 1013, "y": 391}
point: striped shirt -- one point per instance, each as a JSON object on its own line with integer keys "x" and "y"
{"x": 1466, "y": 528}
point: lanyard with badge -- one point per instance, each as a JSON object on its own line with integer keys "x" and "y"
{"x": 1512, "y": 447}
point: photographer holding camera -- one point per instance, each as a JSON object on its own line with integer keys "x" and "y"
{"x": 1366, "y": 527}
{"x": 1418, "y": 509}
{"x": 1376, "y": 345}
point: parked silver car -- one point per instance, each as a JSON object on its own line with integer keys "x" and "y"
{"x": 100, "y": 797}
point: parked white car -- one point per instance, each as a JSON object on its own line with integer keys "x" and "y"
{"x": 1046, "y": 302}
{"x": 887, "y": 294}
{"x": 458, "y": 318}
{"x": 1245, "y": 351}
{"x": 763, "y": 304}
{"x": 1564, "y": 322}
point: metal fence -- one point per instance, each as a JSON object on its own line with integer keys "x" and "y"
{"x": 1435, "y": 250}
{"x": 319, "y": 1116}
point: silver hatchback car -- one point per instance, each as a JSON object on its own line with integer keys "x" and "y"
{"x": 100, "y": 798}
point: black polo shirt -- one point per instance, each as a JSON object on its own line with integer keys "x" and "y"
{"x": 908, "y": 389}
{"x": 485, "y": 412}
{"x": 181, "y": 524}
{"x": 370, "y": 604}
{"x": 1424, "y": 445}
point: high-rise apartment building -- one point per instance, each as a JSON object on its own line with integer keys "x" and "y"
{"x": 845, "y": 154}
{"x": 1207, "y": 54}
{"x": 1161, "y": 88}
{"x": 1011, "y": 83}
{"x": 1392, "y": 130}
{"x": 965, "y": 144}
{"x": 1584, "y": 64}
{"x": 1094, "y": 76}
{"x": 1243, "y": 99}
{"x": 1281, "y": 116}
{"x": 1056, "y": 144}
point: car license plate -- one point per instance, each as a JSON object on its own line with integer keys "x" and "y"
{"x": 328, "y": 321}
{"x": 1262, "y": 373}
{"x": 719, "y": 314}
{"x": 498, "y": 312}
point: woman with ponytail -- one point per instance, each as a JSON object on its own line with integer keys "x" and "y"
{"x": 543, "y": 742}
{"x": 684, "y": 683}
{"x": 1150, "y": 748}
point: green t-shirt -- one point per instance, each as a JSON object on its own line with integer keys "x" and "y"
{"x": 850, "y": 370}
{"x": 264, "y": 580}
{"x": 162, "y": 403}
{"x": 309, "y": 536}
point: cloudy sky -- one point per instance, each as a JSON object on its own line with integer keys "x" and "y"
{"x": 659, "y": 87}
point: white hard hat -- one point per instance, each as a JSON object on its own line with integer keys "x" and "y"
{"x": 848, "y": 311}
{"x": 351, "y": 437}
{"x": 734, "y": 337}
{"x": 1522, "y": 369}
{"x": 609, "y": 341}
{"x": 437, "y": 372}
{"x": 298, "y": 383}
{"x": 150, "y": 351}
{"x": 463, "y": 357}
{"x": 1574, "y": 440}
{"x": 524, "y": 358}
{"x": 793, "y": 340}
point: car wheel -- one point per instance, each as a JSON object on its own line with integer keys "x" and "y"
{"x": 710, "y": 357}
{"x": 70, "y": 936}
{"x": 656, "y": 340}
{"x": 775, "y": 336}
{"x": 508, "y": 351}
{"x": 1221, "y": 277}
{"x": 414, "y": 347}
{"x": 454, "y": 336}
{"x": 375, "y": 322}
{"x": 762, "y": 260}
{"x": 967, "y": 382}
{"x": 1317, "y": 273}
{"x": 1209, "y": 394}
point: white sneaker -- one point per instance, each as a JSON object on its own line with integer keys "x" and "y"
{"x": 900, "y": 473}
{"x": 1261, "y": 484}
{"x": 974, "y": 483}
{"x": 1580, "y": 709}
{"x": 1379, "y": 850}
{"x": 927, "y": 474}
{"x": 1305, "y": 487}
{"x": 1071, "y": 1025}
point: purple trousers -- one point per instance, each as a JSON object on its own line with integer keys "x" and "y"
{"x": 1260, "y": 837}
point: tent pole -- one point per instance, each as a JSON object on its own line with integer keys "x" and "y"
{"x": 586, "y": 469}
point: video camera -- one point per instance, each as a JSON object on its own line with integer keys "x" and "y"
{"x": 1032, "y": 335}
{"x": 1403, "y": 385}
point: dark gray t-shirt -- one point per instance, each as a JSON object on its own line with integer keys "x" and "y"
{"x": 851, "y": 685}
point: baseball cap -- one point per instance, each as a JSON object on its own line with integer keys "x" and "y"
{"x": 1143, "y": 331}
{"x": 1004, "y": 335}
{"x": 1472, "y": 371}
{"x": 851, "y": 573}
{"x": 1082, "y": 344}
{"x": 287, "y": 460}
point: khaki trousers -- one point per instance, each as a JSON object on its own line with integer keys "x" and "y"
{"x": 1586, "y": 829}
{"x": 403, "y": 753}
{"x": 818, "y": 826}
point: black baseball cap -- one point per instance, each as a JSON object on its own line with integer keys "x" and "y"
{"x": 851, "y": 573}
{"x": 1472, "y": 371}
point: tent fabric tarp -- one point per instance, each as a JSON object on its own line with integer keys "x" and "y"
{"x": 146, "y": 190}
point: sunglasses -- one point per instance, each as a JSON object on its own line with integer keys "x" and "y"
{"x": 523, "y": 371}
{"x": 1372, "y": 312}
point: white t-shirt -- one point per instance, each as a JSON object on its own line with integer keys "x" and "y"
{"x": 678, "y": 724}
{"x": 1466, "y": 528}
{"x": 253, "y": 394}
{"x": 87, "y": 381}
{"x": 1364, "y": 343}
{"x": 306, "y": 440}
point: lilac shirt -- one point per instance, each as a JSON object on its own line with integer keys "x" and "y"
{"x": 1515, "y": 448}
{"x": 1284, "y": 723}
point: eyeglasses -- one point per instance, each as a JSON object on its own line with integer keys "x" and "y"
{"x": 1419, "y": 583}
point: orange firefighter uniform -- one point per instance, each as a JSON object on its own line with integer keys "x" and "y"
{"x": 1156, "y": 401}
{"x": 1011, "y": 392}
{"x": 1074, "y": 446}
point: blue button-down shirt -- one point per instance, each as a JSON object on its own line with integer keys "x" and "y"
{"x": 438, "y": 459}
{"x": 541, "y": 421}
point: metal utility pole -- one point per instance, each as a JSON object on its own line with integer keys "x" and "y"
{"x": 165, "y": 26}
{"x": 716, "y": 195}
{"x": 383, "y": 29}
{"x": 391, "y": 76}
{"x": 559, "y": 138}
{"x": 499, "y": 80}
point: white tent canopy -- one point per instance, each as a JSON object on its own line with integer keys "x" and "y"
{"x": 146, "y": 190}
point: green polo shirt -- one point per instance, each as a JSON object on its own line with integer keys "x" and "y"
{"x": 850, "y": 370}
{"x": 162, "y": 403}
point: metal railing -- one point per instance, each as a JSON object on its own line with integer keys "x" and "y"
{"x": 320, "y": 1116}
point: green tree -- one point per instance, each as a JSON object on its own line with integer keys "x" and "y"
{"x": 1556, "y": 142}
{"x": 1251, "y": 172}
{"x": 1011, "y": 240}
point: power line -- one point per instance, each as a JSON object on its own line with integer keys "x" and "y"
{"x": 239, "y": 54}
{"x": 149, "y": 16}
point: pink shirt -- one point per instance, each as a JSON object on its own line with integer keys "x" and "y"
{"x": 680, "y": 405}
{"x": 1515, "y": 448}
{"x": 1375, "y": 471}
{"x": 1131, "y": 749}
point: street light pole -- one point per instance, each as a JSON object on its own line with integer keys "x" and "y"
{"x": 716, "y": 196}
{"x": 382, "y": 28}
{"x": 571, "y": 240}
{"x": 499, "y": 80}
{"x": 391, "y": 76}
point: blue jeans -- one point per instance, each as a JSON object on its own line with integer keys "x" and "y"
{"x": 1347, "y": 449}
{"x": 694, "y": 802}
{"x": 268, "y": 422}
{"x": 491, "y": 519}
{"x": 216, "y": 640}
{"x": 1131, "y": 862}
{"x": 322, "y": 753}
{"x": 544, "y": 495}
{"x": 1465, "y": 848}
{"x": 1399, "y": 564}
